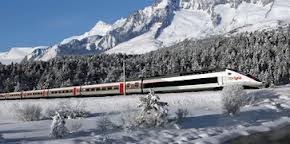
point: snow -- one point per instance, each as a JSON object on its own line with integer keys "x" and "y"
{"x": 138, "y": 45}
{"x": 162, "y": 4}
{"x": 186, "y": 24}
{"x": 197, "y": 24}
{"x": 101, "y": 29}
{"x": 280, "y": 10}
{"x": 205, "y": 123}
{"x": 50, "y": 53}
{"x": 17, "y": 54}
{"x": 194, "y": 23}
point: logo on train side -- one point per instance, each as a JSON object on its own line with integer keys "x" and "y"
{"x": 235, "y": 78}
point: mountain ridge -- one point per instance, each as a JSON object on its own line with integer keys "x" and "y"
{"x": 166, "y": 22}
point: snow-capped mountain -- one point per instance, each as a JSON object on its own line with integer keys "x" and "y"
{"x": 16, "y": 55}
{"x": 167, "y": 22}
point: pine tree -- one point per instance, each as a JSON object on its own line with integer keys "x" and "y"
{"x": 58, "y": 129}
{"x": 154, "y": 113}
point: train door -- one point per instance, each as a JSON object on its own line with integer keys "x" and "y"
{"x": 121, "y": 88}
{"x": 74, "y": 91}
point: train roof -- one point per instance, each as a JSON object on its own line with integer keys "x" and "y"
{"x": 202, "y": 71}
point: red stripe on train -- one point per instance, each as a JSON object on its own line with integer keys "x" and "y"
{"x": 74, "y": 91}
{"x": 121, "y": 88}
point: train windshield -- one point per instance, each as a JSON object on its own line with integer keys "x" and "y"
{"x": 248, "y": 75}
{"x": 252, "y": 77}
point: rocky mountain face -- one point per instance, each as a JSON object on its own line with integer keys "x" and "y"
{"x": 168, "y": 22}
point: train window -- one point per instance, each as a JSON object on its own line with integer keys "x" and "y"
{"x": 136, "y": 84}
{"x": 182, "y": 83}
{"x": 97, "y": 89}
{"x": 109, "y": 88}
{"x": 116, "y": 87}
{"x": 229, "y": 73}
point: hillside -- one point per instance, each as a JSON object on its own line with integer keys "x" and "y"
{"x": 264, "y": 55}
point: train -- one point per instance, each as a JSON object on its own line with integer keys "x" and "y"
{"x": 199, "y": 80}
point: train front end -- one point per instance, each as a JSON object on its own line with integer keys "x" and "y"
{"x": 248, "y": 81}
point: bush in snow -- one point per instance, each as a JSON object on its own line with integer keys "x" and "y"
{"x": 74, "y": 126}
{"x": 28, "y": 112}
{"x": 57, "y": 128}
{"x": 181, "y": 114}
{"x": 1, "y": 139}
{"x": 233, "y": 97}
{"x": 154, "y": 113}
{"x": 69, "y": 110}
{"x": 104, "y": 124}
{"x": 128, "y": 120}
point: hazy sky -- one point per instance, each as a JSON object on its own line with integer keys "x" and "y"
{"x": 46, "y": 22}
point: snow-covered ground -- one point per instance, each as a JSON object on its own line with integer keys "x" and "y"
{"x": 205, "y": 123}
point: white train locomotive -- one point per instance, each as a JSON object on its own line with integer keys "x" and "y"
{"x": 183, "y": 82}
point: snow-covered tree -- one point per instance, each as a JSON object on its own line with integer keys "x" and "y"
{"x": 57, "y": 128}
{"x": 154, "y": 113}
{"x": 233, "y": 98}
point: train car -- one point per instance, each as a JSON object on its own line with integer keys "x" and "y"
{"x": 13, "y": 95}
{"x": 132, "y": 87}
{"x": 64, "y": 92}
{"x": 183, "y": 82}
{"x": 100, "y": 89}
{"x": 32, "y": 94}
{"x": 200, "y": 81}
{"x": 2, "y": 96}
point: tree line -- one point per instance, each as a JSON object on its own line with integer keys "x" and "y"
{"x": 263, "y": 54}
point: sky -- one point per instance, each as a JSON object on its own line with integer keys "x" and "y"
{"x": 27, "y": 23}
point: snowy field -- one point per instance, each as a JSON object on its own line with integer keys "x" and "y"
{"x": 269, "y": 109}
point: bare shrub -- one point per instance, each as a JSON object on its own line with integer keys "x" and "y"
{"x": 1, "y": 139}
{"x": 233, "y": 97}
{"x": 69, "y": 110}
{"x": 181, "y": 113}
{"x": 28, "y": 112}
{"x": 104, "y": 124}
{"x": 74, "y": 126}
{"x": 129, "y": 121}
